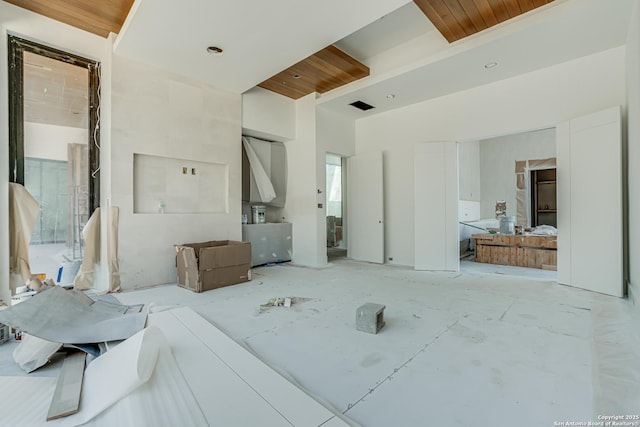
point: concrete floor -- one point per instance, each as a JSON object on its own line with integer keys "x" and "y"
{"x": 458, "y": 349}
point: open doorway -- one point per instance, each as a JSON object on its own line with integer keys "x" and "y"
{"x": 335, "y": 203}
{"x": 507, "y": 205}
{"x": 54, "y": 148}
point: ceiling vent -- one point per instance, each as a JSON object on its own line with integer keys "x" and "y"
{"x": 362, "y": 105}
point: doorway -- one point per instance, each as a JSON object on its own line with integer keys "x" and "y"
{"x": 54, "y": 147}
{"x": 543, "y": 197}
{"x": 499, "y": 177}
{"x": 335, "y": 211}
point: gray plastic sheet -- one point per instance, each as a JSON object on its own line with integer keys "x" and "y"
{"x": 55, "y": 314}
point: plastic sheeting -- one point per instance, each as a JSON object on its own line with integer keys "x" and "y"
{"x": 118, "y": 373}
{"x": 55, "y": 314}
{"x": 23, "y": 212}
{"x": 34, "y": 352}
{"x": 263, "y": 182}
{"x": 112, "y": 248}
{"x": 137, "y": 383}
{"x": 91, "y": 236}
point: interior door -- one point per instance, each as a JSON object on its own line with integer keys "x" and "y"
{"x": 365, "y": 205}
{"x": 590, "y": 217}
{"x": 436, "y": 206}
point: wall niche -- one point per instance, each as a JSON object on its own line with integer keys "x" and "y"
{"x": 164, "y": 185}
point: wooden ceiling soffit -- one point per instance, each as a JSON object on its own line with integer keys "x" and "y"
{"x": 457, "y": 19}
{"x": 97, "y": 17}
{"x": 321, "y": 72}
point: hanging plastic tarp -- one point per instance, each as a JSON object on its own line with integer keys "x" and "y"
{"x": 91, "y": 236}
{"x": 113, "y": 215}
{"x": 23, "y": 212}
{"x": 263, "y": 182}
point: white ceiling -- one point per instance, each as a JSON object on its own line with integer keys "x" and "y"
{"x": 259, "y": 38}
{"x": 408, "y": 57}
{"x": 556, "y": 33}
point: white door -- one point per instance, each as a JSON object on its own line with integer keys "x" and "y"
{"x": 437, "y": 244}
{"x": 365, "y": 208}
{"x": 590, "y": 227}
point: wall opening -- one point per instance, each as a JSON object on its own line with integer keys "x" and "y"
{"x": 335, "y": 207}
{"x": 508, "y": 169}
{"x": 54, "y": 146}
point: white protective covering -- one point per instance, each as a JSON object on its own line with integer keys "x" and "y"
{"x": 263, "y": 182}
{"x": 23, "y": 212}
{"x": 91, "y": 236}
{"x": 136, "y": 383}
{"x": 180, "y": 371}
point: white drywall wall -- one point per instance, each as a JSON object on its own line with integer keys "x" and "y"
{"x": 498, "y": 158}
{"x": 469, "y": 171}
{"x": 436, "y": 206}
{"x": 633, "y": 120}
{"x": 536, "y": 100}
{"x": 302, "y": 184}
{"x": 268, "y": 115}
{"x": 162, "y": 114}
{"x": 18, "y": 21}
{"x": 49, "y": 141}
{"x": 163, "y": 185}
{"x": 335, "y": 133}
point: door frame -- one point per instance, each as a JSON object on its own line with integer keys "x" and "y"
{"x": 16, "y": 47}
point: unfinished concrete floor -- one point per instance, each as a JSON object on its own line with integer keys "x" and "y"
{"x": 458, "y": 349}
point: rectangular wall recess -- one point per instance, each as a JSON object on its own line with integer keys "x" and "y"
{"x": 164, "y": 185}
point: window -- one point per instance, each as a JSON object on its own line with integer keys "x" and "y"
{"x": 54, "y": 145}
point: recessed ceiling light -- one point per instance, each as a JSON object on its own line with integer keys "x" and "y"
{"x": 391, "y": 96}
{"x": 489, "y": 65}
{"x": 215, "y": 50}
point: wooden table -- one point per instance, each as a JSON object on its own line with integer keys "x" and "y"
{"x": 520, "y": 251}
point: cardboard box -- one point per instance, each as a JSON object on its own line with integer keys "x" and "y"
{"x": 210, "y": 265}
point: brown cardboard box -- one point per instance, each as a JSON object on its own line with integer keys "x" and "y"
{"x": 210, "y": 265}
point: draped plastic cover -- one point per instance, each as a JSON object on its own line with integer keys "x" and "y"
{"x": 113, "y": 215}
{"x": 91, "y": 236}
{"x": 142, "y": 368}
{"x": 23, "y": 212}
{"x": 263, "y": 182}
{"x": 56, "y": 315}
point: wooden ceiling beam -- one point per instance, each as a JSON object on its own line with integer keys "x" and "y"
{"x": 321, "y": 72}
{"x": 457, "y": 19}
{"x": 97, "y": 17}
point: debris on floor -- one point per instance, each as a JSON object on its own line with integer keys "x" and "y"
{"x": 57, "y": 315}
{"x": 370, "y": 318}
{"x": 285, "y": 302}
{"x": 51, "y": 322}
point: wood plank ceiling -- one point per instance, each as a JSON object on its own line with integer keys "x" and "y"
{"x": 457, "y": 19}
{"x": 95, "y": 16}
{"x": 321, "y": 72}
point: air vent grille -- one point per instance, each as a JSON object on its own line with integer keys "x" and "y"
{"x": 362, "y": 105}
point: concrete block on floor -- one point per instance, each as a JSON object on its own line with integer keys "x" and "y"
{"x": 370, "y": 318}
